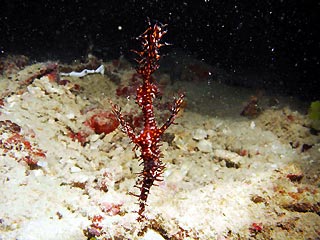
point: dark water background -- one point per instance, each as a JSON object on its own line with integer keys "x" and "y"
{"x": 276, "y": 41}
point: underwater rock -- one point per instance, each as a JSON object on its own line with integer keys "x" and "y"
{"x": 199, "y": 134}
{"x": 204, "y": 146}
{"x": 233, "y": 160}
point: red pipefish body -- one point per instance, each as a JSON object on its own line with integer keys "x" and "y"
{"x": 148, "y": 140}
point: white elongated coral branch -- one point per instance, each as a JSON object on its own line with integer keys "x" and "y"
{"x": 84, "y": 72}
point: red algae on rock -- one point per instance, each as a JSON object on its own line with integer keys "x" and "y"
{"x": 11, "y": 140}
{"x": 103, "y": 122}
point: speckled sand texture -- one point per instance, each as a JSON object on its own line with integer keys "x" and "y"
{"x": 226, "y": 177}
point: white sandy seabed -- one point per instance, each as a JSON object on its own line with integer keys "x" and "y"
{"x": 226, "y": 177}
